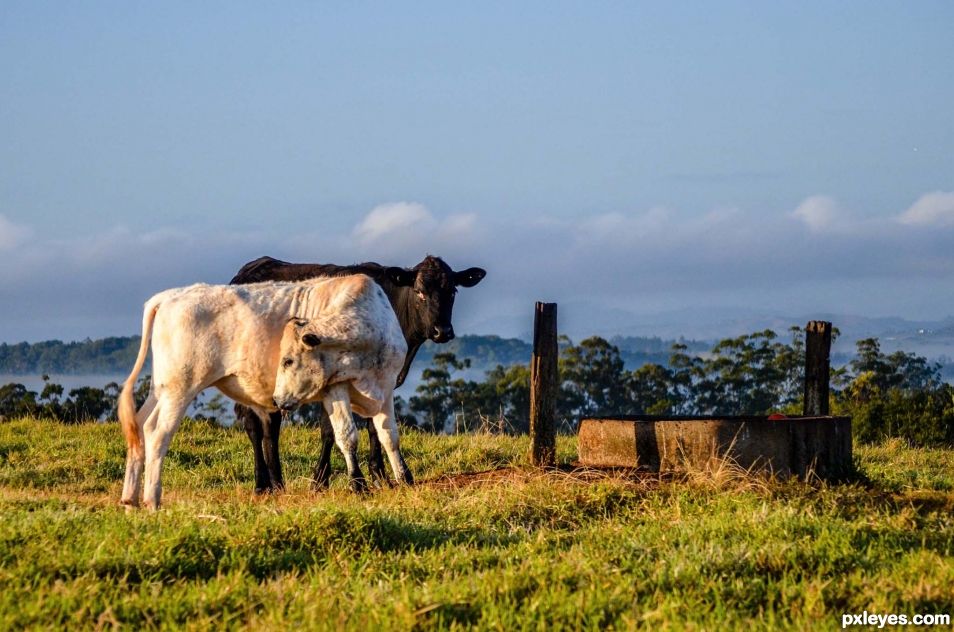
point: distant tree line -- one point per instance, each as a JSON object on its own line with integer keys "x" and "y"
{"x": 80, "y": 405}
{"x": 116, "y": 355}
{"x": 107, "y": 355}
{"x": 87, "y": 403}
{"x": 489, "y": 351}
{"x": 887, "y": 395}
{"x": 896, "y": 395}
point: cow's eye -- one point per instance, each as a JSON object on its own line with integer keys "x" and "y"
{"x": 287, "y": 362}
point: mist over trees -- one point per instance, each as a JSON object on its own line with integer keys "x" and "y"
{"x": 887, "y": 395}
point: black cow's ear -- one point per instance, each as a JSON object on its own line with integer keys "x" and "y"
{"x": 311, "y": 340}
{"x": 400, "y": 276}
{"x": 469, "y": 277}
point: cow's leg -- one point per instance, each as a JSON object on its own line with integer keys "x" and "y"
{"x": 375, "y": 455}
{"x": 386, "y": 425}
{"x": 158, "y": 433}
{"x": 272, "y": 424}
{"x": 255, "y": 432}
{"x": 322, "y": 474}
{"x": 135, "y": 459}
{"x": 338, "y": 405}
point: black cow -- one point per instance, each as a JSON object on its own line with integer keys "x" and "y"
{"x": 423, "y": 300}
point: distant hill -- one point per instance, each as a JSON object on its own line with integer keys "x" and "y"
{"x": 116, "y": 355}
{"x": 483, "y": 351}
{"x": 107, "y": 356}
{"x": 578, "y": 319}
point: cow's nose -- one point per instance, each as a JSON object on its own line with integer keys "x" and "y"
{"x": 285, "y": 405}
{"x": 443, "y": 334}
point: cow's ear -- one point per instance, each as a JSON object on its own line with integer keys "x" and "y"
{"x": 469, "y": 277}
{"x": 311, "y": 340}
{"x": 400, "y": 276}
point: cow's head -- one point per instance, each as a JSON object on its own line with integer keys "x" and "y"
{"x": 434, "y": 286}
{"x": 302, "y": 374}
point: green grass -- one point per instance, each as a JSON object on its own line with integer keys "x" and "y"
{"x": 510, "y": 550}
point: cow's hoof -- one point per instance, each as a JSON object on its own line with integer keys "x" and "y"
{"x": 377, "y": 470}
{"x": 380, "y": 481}
{"x": 129, "y": 505}
{"x": 359, "y": 485}
{"x": 320, "y": 478}
{"x": 407, "y": 478}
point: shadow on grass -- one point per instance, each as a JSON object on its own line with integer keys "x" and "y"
{"x": 286, "y": 544}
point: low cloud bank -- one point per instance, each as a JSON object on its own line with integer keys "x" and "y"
{"x": 818, "y": 256}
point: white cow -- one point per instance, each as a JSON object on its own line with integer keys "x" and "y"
{"x": 331, "y": 339}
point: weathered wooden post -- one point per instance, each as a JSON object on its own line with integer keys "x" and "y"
{"x": 543, "y": 386}
{"x": 817, "y": 367}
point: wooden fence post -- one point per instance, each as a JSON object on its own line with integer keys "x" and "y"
{"x": 543, "y": 386}
{"x": 817, "y": 367}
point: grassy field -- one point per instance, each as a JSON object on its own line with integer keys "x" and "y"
{"x": 512, "y": 549}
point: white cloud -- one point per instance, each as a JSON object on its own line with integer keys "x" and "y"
{"x": 931, "y": 209}
{"x": 818, "y": 212}
{"x": 12, "y": 235}
{"x": 405, "y": 230}
{"x": 393, "y": 220}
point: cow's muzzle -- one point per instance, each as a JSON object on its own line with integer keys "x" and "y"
{"x": 442, "y": 334}
{"x": 285, "y": 405}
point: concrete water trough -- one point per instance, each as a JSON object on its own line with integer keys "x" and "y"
{"x": 791, "y": 446}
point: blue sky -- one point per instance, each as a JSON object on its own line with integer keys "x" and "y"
{"x": 636, "y": 156}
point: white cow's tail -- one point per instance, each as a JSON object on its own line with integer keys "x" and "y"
{"x": 127, "y": 404}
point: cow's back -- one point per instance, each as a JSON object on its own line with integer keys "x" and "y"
{"x": 203, "y": 333}
{"x": 271, "y": 269}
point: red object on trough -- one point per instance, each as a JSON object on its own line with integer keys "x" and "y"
{"x": 792, "y": 446}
